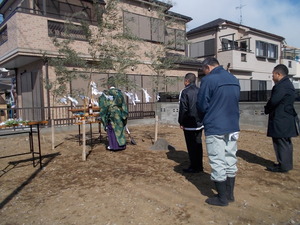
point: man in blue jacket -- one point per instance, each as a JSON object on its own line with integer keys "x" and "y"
{"x": 191, "y": 124}
{"x": 218, "y": 105}
{"x": 281, "y": 125}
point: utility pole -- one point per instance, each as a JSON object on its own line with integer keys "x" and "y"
{"x": 240, "y": 8}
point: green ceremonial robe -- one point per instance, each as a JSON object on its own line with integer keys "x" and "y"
{"x": 113, "y": 109}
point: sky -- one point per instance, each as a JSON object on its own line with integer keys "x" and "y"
{"x": 280, "y": 17}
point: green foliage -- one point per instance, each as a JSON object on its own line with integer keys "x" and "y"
{"x": 15, "y": 122}
{"x": 109, "y": 51}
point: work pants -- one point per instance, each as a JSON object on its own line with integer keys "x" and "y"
{"x": 193, "y": 141}
{"x": 221, "y": 150}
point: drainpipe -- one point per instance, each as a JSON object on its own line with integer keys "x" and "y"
{"x": 44, "y": 8}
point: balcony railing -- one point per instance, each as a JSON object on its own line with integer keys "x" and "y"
{"x": 58, "y": 29}
{"x": 58, "y": 15}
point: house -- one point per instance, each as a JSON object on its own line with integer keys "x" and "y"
{"x": 291, "y": 58}
{"x": 250, "y": 54}
{"x": 26, "y": 38}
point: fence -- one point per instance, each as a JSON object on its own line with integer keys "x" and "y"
{"x": 255, "y": 96}
{"x": 62, "y": 115}
{"x": 245, "y": 96}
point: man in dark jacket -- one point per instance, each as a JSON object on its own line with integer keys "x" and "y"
{"x": 218, "y": 105}
{"x": 191, "y": 124}
{"x": 281, "y": 124}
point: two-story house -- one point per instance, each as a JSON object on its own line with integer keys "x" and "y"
{"x": 291, "y": 58}
{"x": 250, "y": 54}
{"x": 26, "y": 37}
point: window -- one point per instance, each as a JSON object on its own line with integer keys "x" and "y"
{"x": 272, "y": 51}
{"x": 180, "y": 40}
{"x": 170, "y": 40}
{"x": 243, "y": 57}
{"x": 144, "y": 27}
{"x": 57, "y": 29}
{"x": 209, "y": 47}
{"x": 175, "y": 39}
{"x": 52, "y": 7}
{"x": 261, "y": 49}
{"x": 228, "y": 44}
{"x": 59, "y": 9}
{"x": 290, "y": 64}
{"x": 266, "y": 50}
{"x": 202, "y": 48}
{"x": 243, "y": 46}
{"x": 3, "y": 35}
{"x": 157, "y": 30}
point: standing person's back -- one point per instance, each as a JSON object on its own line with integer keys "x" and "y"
{"x": 218, "y": 105}
{"x": 191, "y": 124}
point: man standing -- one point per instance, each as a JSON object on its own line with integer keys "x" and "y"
{"x": 218, "y": 105}
{"x": 191, "y": 124}
{"x": 281, "y": 124}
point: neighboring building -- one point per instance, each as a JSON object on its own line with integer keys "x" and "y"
{"x": 28, "y": 25}
{"x": 250, "y": 54}
{"x": 291, "y": 58}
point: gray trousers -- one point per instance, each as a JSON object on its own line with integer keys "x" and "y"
{"x": 221, "y": 150}
{"x": 284, "y": 152}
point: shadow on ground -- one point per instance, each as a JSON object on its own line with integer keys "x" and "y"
{"x": 46, "y": 158}
{"x": 252, "y": 158}
{"x": 201, "y": 180}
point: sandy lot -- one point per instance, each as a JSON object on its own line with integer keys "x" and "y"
{"x": 140, "y": 186}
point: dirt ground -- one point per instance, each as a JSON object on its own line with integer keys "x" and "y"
{"x": 140, "y": 186}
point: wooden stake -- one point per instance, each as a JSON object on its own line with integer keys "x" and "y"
{"x": 83, "y": 141}
{"x": 52, "y": 131}
{"x": 156, "y": 128}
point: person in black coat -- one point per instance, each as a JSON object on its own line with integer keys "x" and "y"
{"x": 281, "y": 124}
{"x": 191, "y": 124}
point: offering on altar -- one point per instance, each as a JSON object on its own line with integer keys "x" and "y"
{"x": 84, "y": 113}
{"x": 14, "y": 122}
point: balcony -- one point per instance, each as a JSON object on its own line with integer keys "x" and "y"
{"x": 245, "y": 61}
{"x": 27, "y": 34}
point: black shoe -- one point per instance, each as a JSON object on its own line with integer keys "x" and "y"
{"x": 276, "y": 169}
{"x": 191, "y": 170}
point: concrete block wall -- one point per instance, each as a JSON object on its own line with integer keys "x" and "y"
{"x": 251, "y": 114}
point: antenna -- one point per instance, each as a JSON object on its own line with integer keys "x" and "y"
{"x": 240, "y": 8}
